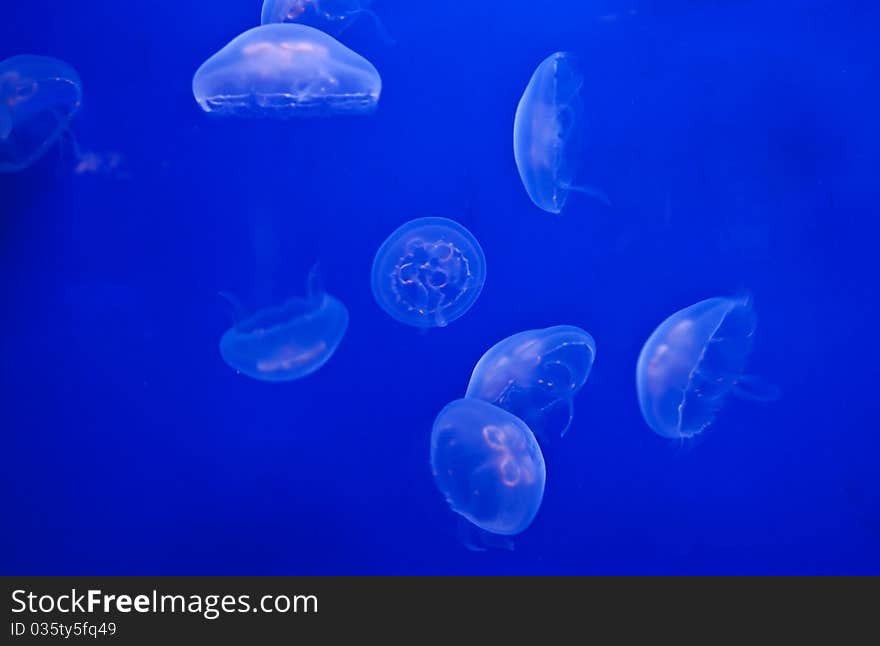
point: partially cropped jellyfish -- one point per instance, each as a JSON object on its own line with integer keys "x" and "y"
{"x": 548, "y": 133}
{"x": 290, "y": 341}
{"x": 489, "y": 467}
{"x": 286, "y": 70}
{"x": 535, "y": 376}
{"x": 428, "y": 272}
{"x": 332, "y": 16}
{"x": 693, "y": 361}
{"x": 38, "y": 98}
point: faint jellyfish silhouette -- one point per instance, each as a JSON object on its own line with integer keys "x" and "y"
{"x": 535, "y": 376}
{"x": 290, "y": 341}
{"x": 692, "y": 361}
{"x": 38, "y": 98}
{"x": 286, "y": 70}
{"x": 488, "y": 465}
{"x": 548, "y": 133}
{"x": 332, "y": 16}
{"x": 428, "y": 272}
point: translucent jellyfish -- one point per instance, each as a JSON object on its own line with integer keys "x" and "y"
{"x": 488, "y": 465}
{"x": 535, "y": 376}
{"x": 548, "y": 133}
{"x": 429, "y": 272}
{"x": 290, "y": 341}
{"x": 38, "y": 98}
{"x": 332, "y": 16}
{"x": 693, "y": 361}
{"x": 286, "y": 70}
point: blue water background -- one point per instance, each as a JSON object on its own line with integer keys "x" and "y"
{"x": 738, "y": 142}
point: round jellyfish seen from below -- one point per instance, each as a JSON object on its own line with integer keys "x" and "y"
{"x": 693, "y": 361}
{"x": 290, "y": 341}
{"x": 488, "y": 465}
{"x": 38, "y": 98}
{"x": 548, "y": 133}
{"x": 535, "y": 376}
{"x": 286, "y": 70}
{"x": 332, "y": 16}
{"x": 428, "y": 272}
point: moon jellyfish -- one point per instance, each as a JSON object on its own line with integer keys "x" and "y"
{"x": 332, "y": 16}
{"x": 548, "y": 133}
{"x": 487, "y": 464}
{"x": 693, "y": 361}
{"x": 285, "y": 70}
{"x": 535, "y": 376}
{"x": 38, "y": 98}
{"x": 290, "y": 341}
{"x": 429, "y": 272}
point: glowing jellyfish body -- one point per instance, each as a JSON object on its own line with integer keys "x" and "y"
{"x": 332, "y": 16}
{"x": 488, "y": 465}
{"x": 428, "y": 272}
{"x": 692, "y": 362}
{"x": 286, "y": 70}
{"x": 38, "y": 98}
{"x": 535, "y": 376}
{"x": 548, "y": 133}
{"x": 287, "y": 342}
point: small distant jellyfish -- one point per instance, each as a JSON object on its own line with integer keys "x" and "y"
{"x": 428, "y": 272}
{"x": 548, "y": 133}
{"x": 488, "y": 465}
{"x": 332, "y": 16}
{"x": 283, "y": 71}
{"x": 38, "y": 98}
{"x": 693, "y": 361}
{"x": 535, "y": 376}
{"x": 290, "y": 341}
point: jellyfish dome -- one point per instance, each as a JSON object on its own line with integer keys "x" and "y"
{"x": 548, "y": 133}
{"x": 428, "y": 272}
{"x": 290, "y": 341}
{"x": 284, "y": 71}
{"x": 692, "y": 362}
{"x": 38, "y": 98}
{"x": 535, "y": 376}
{"x": 488, "y": 465}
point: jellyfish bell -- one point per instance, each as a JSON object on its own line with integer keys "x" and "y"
{"x": 693, "y": 361}
{"x": 284, "y": 71}
{"x": 535, "y": 375}
{"x": 332, "y": 16}
{"x": 488, "y": 466}
{"x": 428, "y": 272}
{"x": 289, "y": 341}
{"x": 548, "y": 132}
{"x": 39, "y": 96}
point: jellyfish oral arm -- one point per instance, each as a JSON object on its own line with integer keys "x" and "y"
{"x": 595, "y": 193}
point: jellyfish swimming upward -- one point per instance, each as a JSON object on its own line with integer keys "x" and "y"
{"x": 488, "y": 466}
{"x": 548, "y": 133}
{"x": 290, "y": 341}
{"x": 286, "y": 70}
{"x": 535, "y": 376}
{"x": 693, "y": 361}
{"x": 38, "y": 98}
{"x": 428, "y": 272}
{"x": 332, "y": 16}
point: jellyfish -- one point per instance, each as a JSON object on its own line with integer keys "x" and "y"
{"x": 428, "y": 272}
{"x": 290, "y": 341}
{"x": 693, "y": 361}
{"x": 535, "y": 376}
{"x": 488, "y": 465}
{"x": 332, "y": 16}
{"x": 38, "y": 98}
{"x": 286, "y": 70}
{"x": 548, "y": 133}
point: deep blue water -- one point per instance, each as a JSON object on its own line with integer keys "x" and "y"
{"x": 738, "y": 142}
